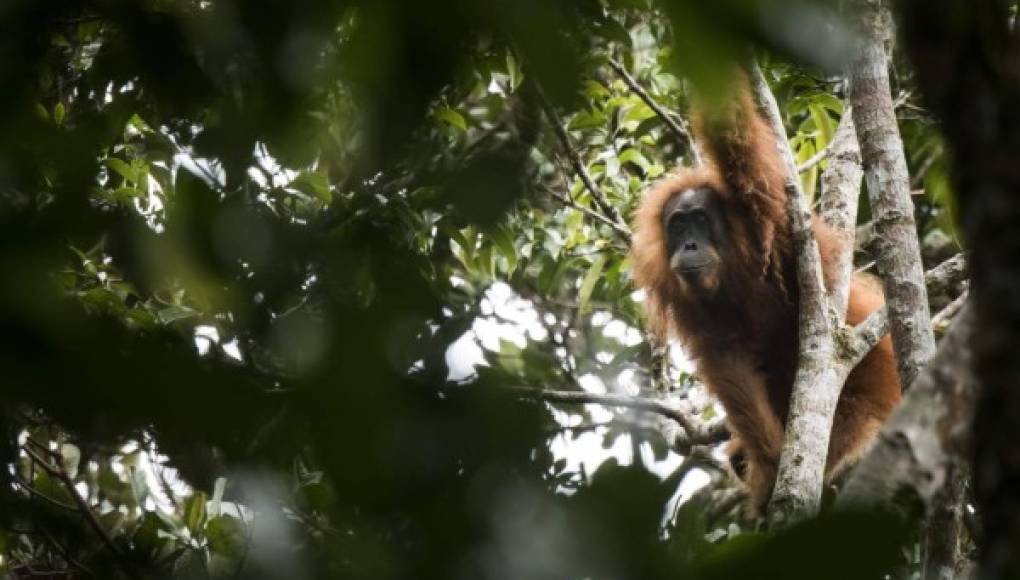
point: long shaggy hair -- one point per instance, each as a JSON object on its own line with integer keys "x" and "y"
{"x": 743, "y": 331}
{"x": 745, "y": 171}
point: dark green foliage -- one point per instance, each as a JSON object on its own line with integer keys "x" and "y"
{"x": 238, "y": 238}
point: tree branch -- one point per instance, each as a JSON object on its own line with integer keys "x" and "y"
{"x": 36, "y": 493}
{"x": 865, "y": 336}
{"x": 682, "y": 134}
{"x": 947, "y": 281}
{"x": 946, "y": 274}
{"x": 916, "y": 447}
{"x": 942, "y": 557}
{"x": 940, "y": 322}
{"x": 84, "y": 508}
{"x": 818, "y": 380}
{"x": 837, "y": 205}
{"x": 579, "y": 167}
{"x": 816, "y": 158}
{"x": 698, "y": 432}
{"x": 565, "y": 199}
{"x": 885, "y": 168}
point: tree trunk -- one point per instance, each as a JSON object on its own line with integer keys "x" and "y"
{"x": 941, "y": 557}
{"x": 885, "y": 169}
{"x": 915, "y": 450}
{"x": 965, "y": 54}
{"x": 822, "y": 367}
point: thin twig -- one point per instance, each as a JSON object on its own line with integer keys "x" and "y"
{"x": 940, "y": 322}
{"x": 20, "y": 482}
{"x": 83, "y": 507}
{"x": 679, "y": 131}
{"x": 866, "y": 335}
{"x": 698, "y": 433}
{"x": 64, "y": 552}
{"x": 947, "y": 273}
{"x": 918, "y": 179}
{"x": 902, "y": 99}
{"x": 579, "y": 167}
{"x": 815, "y": 159}
{"x": 724, "y": 502}
{"x": 623, "y": 232}
{"x": 660, "y": 378}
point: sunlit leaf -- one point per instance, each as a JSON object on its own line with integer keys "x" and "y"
{"x": 824, "y": 123}
{"x": 227, "y": 535}
{"x": 121, "y": 168}
{"x": 313, "y": 183}
{"x": 452, "y": 118}
{"x": 194, "y": 511}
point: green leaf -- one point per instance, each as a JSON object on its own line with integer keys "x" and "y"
{"x": 939, "y": 186}
{"x": 126, "y": 194}
{"x": 174, "y": 313}
{"x": 809, "y": 178}
{"x": 122, "y": 168}
{"x": 112, "y": 521}
{"x": 552, "y": 272}
{"x": 194, "y": 512}
{"x": 101, "y": 300}
{"x": 147, "y": 537}
{"x": 613, "y": 30}
{"x": 824, "y": 123}
{"x": 452, "y": 118}
{"x": 621, "y": 4}
{"x": 502, "y": 239}
{"x": 314, "y": 184}
{"x": 587, "y": 120}
{"x": 142, "y": 318}
{"x": 594, "y": 90}
{"x": 318, "y": 495}
{"x": 58, "y": 113}
{"x": 628, "y": 354}
{"x": 645, "y": 127}
{"x": 484, "y": 262}
{"x": 639, "y": 112}
{"x": 513, "y": 69}
{"x": 227, "y": 536}
{"x": 830, "y": 102}
{"x": 139, "y": 124}
{"x": 588, "y": 284}
{"x": 635, "y": 157}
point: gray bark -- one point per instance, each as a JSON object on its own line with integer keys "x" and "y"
{"x": 946, "y": 281}
{"x": 824, "y": 362}
{"x": 916, "y": 449}
{"x": 899, "y": 253}
{"x": 942, "y": 556}
{"x": 798, "y": 489}
{"x": 837, "y": 204}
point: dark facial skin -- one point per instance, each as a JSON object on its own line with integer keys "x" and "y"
{"x": 694, "y": 232}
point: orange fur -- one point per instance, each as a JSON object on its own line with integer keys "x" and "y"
{"x": 744, "y": 335}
